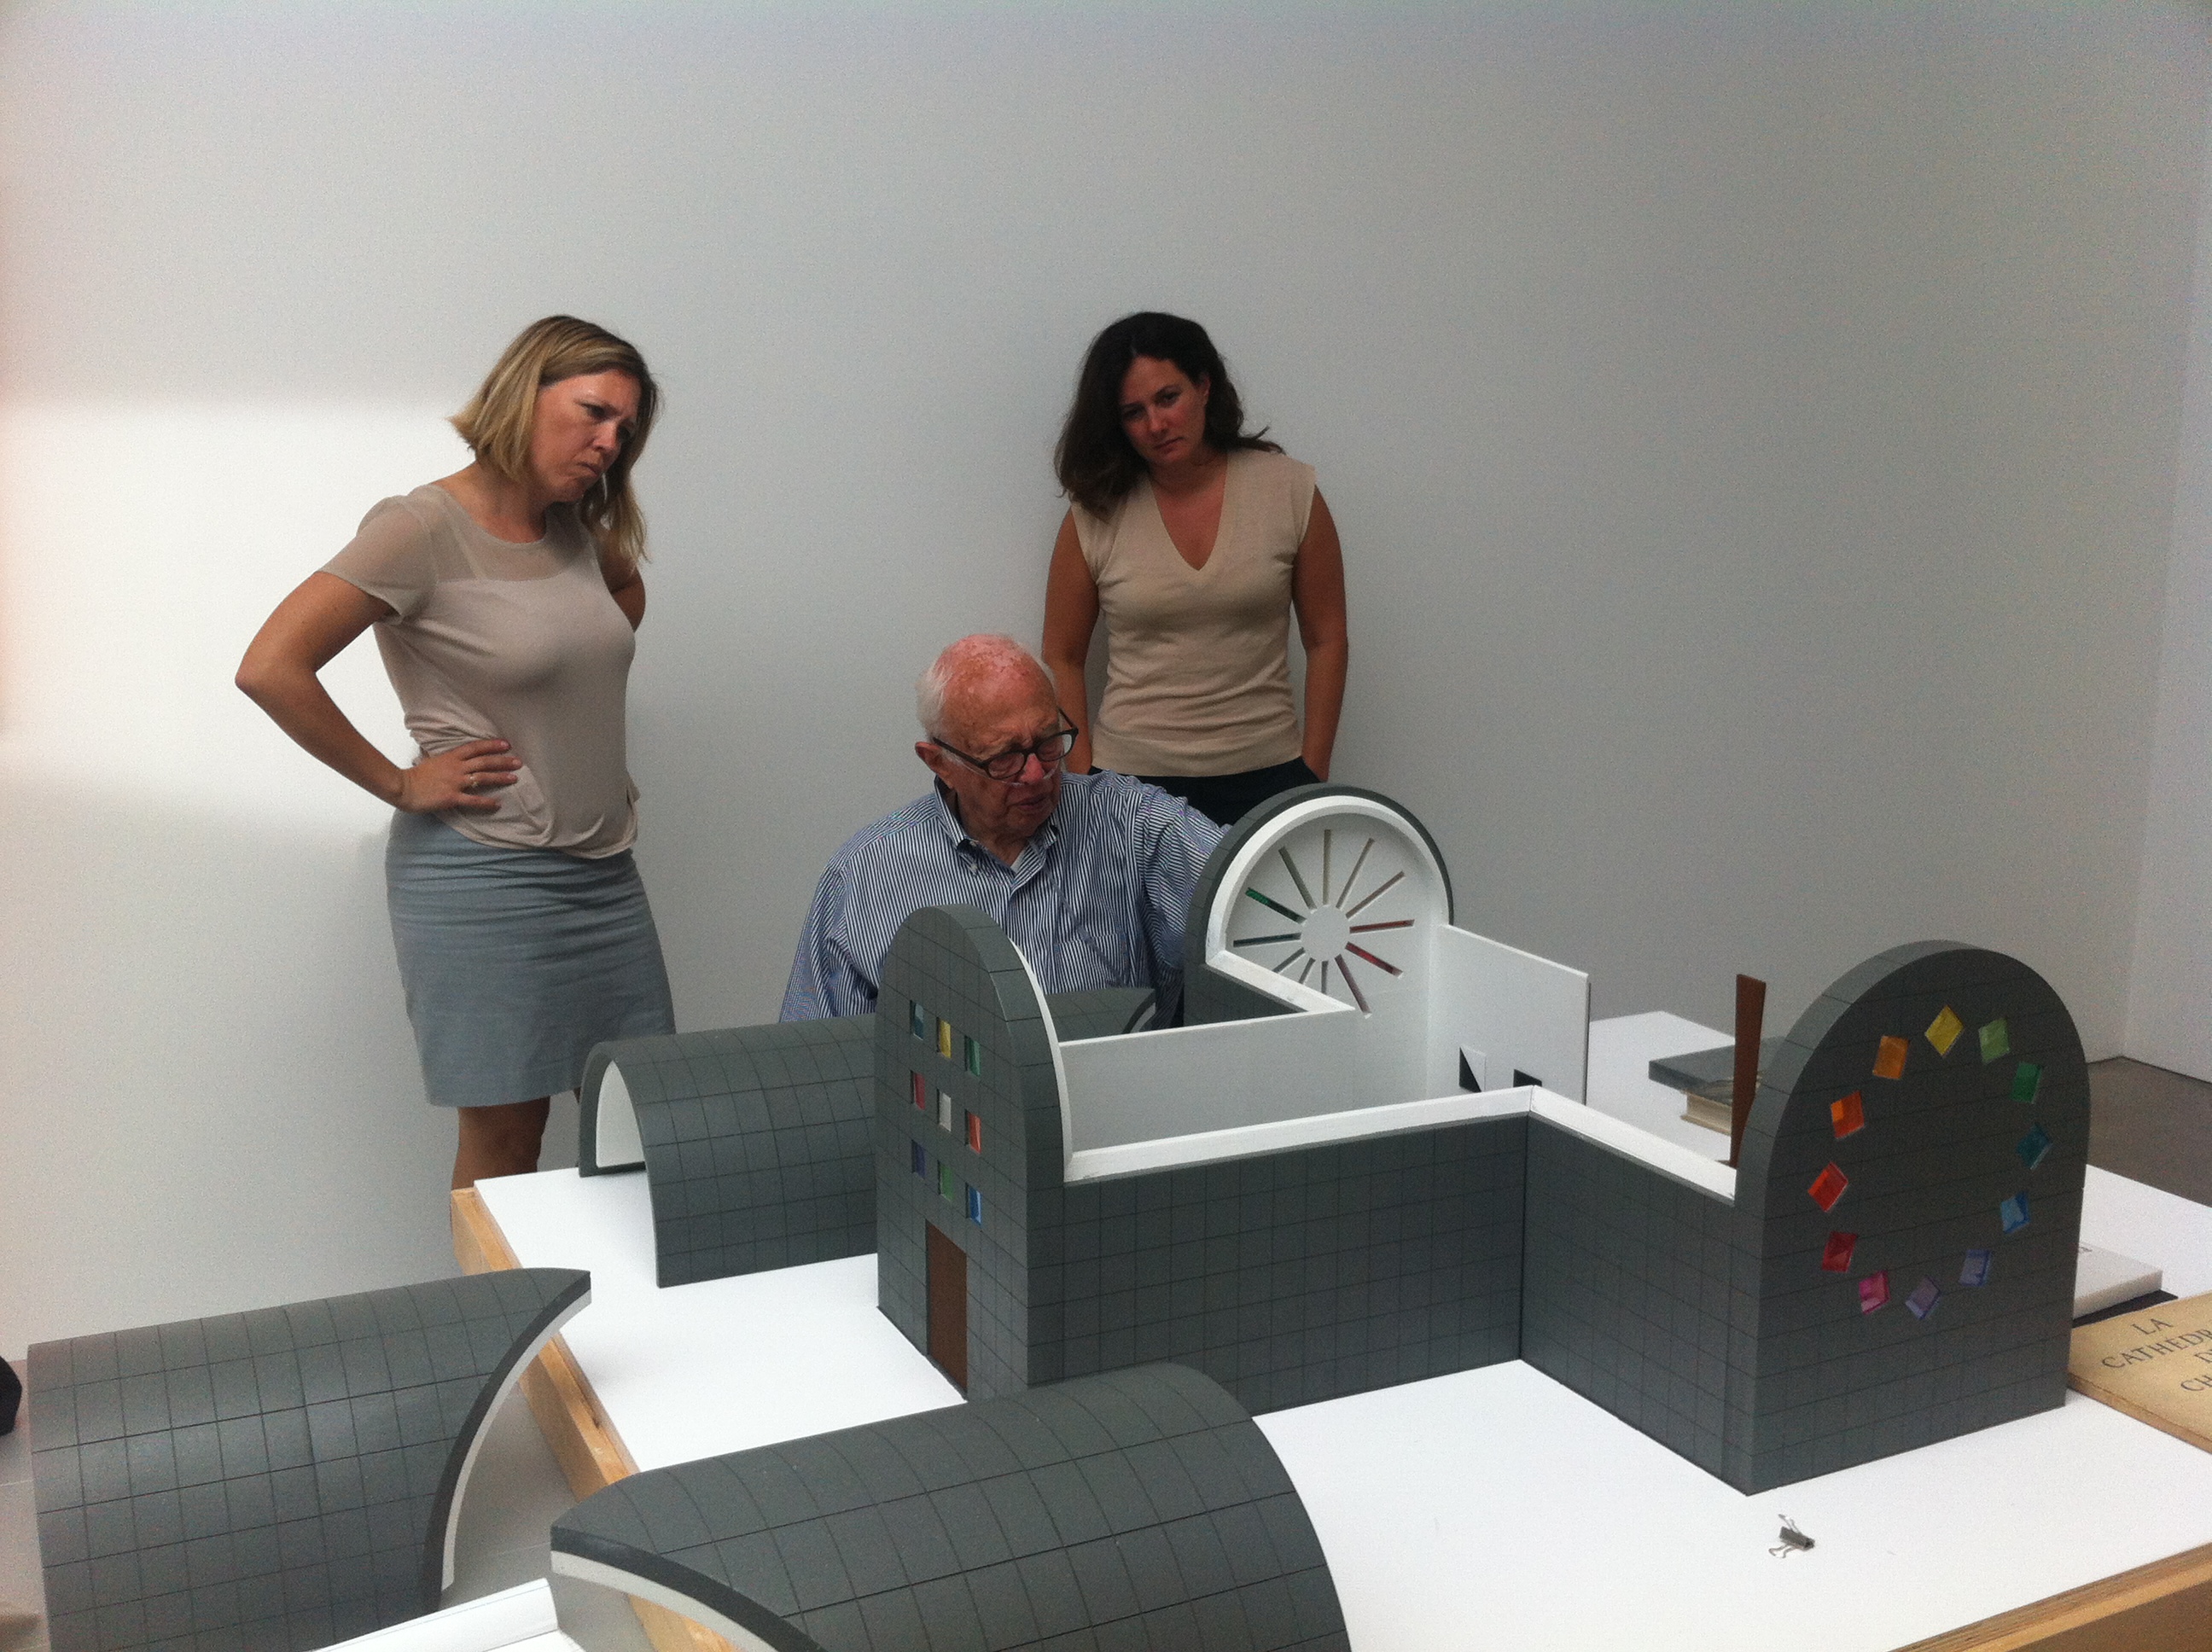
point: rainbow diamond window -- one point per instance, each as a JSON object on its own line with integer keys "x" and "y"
{"x": 1943, "y": 1032}
{"x": 1848, "y": 1114}
{"x": 1836, "y": 1257}
{"x": 1828, "y": 1187}
{"x": 1997, "y": 1041}
{"x": 1889, "y": 1058}
{"x": 1873, "y": 1292}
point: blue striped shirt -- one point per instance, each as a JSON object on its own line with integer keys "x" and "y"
{"x": 1098, "y": 898}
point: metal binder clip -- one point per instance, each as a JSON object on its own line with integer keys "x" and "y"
{"x": 1793, "y": 1541}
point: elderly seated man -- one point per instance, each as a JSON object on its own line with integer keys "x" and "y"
{"x": 1091, "y": 875}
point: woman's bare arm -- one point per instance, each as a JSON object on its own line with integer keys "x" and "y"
{"x": 626, "y": 587}
{"x": 306, "y": 631}
{"x": 1071, "y": 615}
{"x": 1317, "y": 593}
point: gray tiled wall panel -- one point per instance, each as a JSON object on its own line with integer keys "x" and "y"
{"x": 280, "y": 1480}
{"x": 1937, "y": 1157}
{"x": 1293, "y": 1277}
{"x": 1631, "y": 1281}
{"x": 1139, "y": 1509}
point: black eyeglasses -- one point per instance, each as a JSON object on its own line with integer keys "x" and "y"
{"x": 1006, "y": 768}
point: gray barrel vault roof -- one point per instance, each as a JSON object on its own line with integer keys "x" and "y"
{"x": 1141, "y": 1509}
{"x": 277, "y": 1480}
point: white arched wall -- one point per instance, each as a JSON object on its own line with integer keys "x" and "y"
{"x": 1753, "y": 429}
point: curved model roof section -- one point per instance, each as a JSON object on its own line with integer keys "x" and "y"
{"x": 282, "y": 1478}
{"x": 1143, "y": 1504}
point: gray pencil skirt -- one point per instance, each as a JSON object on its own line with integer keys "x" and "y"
{"x": 516, "y": 962}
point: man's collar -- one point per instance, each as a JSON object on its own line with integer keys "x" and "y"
{"x": 957, "y": 833}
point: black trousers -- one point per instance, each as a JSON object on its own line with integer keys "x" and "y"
{"x": 1226, "y": 799}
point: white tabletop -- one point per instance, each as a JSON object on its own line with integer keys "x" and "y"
{"x": 1621, "y": 1051}
{"x": 1490, "y": 1507}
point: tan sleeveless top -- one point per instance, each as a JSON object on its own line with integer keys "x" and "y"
{"x": 1198, "y": 659}
{"x": 521, "y": 642}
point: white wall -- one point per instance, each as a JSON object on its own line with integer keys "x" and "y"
{"x": 2170, "y": 987}
{"x": 1752, "y": 431}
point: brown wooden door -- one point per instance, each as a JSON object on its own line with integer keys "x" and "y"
{"x": 948, "y": 1307}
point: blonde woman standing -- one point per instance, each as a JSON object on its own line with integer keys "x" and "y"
{"x": 504, "y": 599}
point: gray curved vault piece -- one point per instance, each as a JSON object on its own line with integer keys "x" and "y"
{"x": 277, "y": 1480}
{"x": 759, "y": 1142}
{"x": 1873, "y": 1288}
{"x": 1142, "y": 1508}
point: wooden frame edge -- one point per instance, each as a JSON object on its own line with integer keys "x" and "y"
{"x": 591, "y": 1453}
{"x": 2161, "y": 1607}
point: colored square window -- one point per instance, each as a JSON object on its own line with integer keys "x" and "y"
{"x": 945, "y": 1112}
{"x": 1836, "y": 1258}
{"x": 1977, "y": 1268}
{"x": 1889, "y": 1059}
{"x": 1848, "y": 1114}
{"x": 944, "y": 1181}
{"x": 971, "y": 1055}
{"x": 975, "y": 1208}
{"x": 2034, "y": 1147}
{"x": 2013, "y": 1213}
{"x": 918, "y": 1019}
{"x": 918, "y": 1157}
{"x": 974, "y": 1134}
{"x": 1943, "y": 1032}
{"x": 1923, "y": 1298}
{"x": 1996, "y": 1041}
{"x": 921, "y": 1091}
{"x": 945, "y": 1039}
{"x": 2026, "y": 1081}
{"x": 1873, "y": 1292}
{"x": 1828, "y": 1187}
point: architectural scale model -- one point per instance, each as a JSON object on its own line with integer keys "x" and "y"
{"x": 279, "y": 1480}
{"x": 1366, "y": 1161}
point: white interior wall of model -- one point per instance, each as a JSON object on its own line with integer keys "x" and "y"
{"x": 2169, "y": 1019}
{"x": 1521, "y": 1012}
{"x": 1751, "y": 428}
{"x": 1188, "y": 1080}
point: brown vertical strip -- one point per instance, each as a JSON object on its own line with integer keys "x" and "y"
{"x": 1750, "y": 1014}
{"x": 948, "y": 1307}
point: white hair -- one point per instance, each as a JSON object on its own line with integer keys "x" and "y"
{"x": 987, "y": 652}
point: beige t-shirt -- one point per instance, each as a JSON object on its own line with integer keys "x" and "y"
{"x": 1198, "y": 678}
{"x": 522, "y": 643}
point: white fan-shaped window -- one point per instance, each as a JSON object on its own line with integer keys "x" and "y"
{"x": 1337, "y": 897}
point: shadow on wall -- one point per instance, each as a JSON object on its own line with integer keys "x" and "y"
{"x": 212, "y": 1090}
